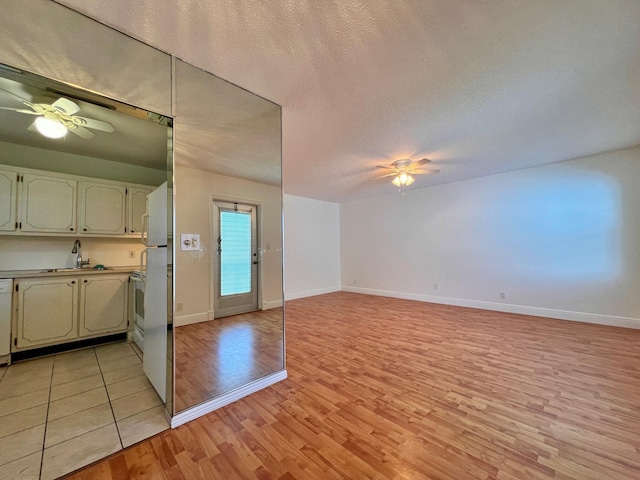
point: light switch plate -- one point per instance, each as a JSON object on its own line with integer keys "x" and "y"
{"x": 189, "y": 241}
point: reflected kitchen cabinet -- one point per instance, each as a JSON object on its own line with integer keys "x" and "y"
{"x": 48, "y": 204}
{"x": 8, "y": 200}
{"x": 136, "y": 208}
{"x": 103, "y": 208}
{"x": 47, "y": 311}
{"x": 103, "y": 304}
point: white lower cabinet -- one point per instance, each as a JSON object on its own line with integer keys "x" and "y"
{"x": 55, "y": 310}
{"x": 103, "y": 304}
{"x": 46, "y": 311}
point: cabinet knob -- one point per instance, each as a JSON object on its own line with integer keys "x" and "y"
{"x": 73, "y": 282}
{"x": 71, "y": 229}
{"x": 84, "y": 229}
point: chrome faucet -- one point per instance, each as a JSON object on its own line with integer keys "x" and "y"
{"x": 77, "y": 249}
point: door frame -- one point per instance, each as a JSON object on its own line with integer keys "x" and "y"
{"x": 213, "y": 280}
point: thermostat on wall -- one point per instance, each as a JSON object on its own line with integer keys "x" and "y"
{"x": 189, "y": 241}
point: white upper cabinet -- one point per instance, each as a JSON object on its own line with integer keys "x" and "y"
{"x": 8, "y": 200}
{"x": 48, "y": 204}
{"x": 137, "y": 208}
{"x": 35, "y": 202}
{"x": 103, "y": 208}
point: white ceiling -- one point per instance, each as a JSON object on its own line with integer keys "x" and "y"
{"x": 480, "y": 87}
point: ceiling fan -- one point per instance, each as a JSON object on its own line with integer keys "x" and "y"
{"x": 56, "y": 119}
{"x": 403, "y": 171}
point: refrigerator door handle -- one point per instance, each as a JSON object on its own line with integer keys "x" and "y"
{"x": 144, "y": 255}
{"x": 144, "y": 233}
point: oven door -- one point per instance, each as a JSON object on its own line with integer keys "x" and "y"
{"x": 138, "y": 311}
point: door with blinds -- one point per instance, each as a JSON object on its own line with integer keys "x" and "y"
{"x": 236, "y": 269}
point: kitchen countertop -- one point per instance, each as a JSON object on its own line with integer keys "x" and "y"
{"x": 63, "y": 272}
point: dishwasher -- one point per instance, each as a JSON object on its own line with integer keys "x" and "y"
{"x": 6, "y": 289}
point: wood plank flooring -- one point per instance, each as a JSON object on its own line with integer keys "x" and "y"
{"x": 215, "y": 357}
{"x": 385, "y": 388}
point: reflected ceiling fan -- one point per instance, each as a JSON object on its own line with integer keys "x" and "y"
{"x": 56, "y": 119}
{"x": 403, "y": 171}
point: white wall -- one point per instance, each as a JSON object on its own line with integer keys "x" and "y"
{"x": 560, "y": 240}
{"x": 312, "y": 247}
{"x": 27, "y": 253}
{"x": 194, "y": 190}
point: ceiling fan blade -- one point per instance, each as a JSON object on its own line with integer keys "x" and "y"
{"x": 385, "y": 167}
{"x": 388, "y": 175}
{"x": 66, "y": 106}
{"x": 426, "y": 172}
{"x": 21, "y": 110}
{"x": 421, "y": 162}
{"x": 96, "y": 124}
{"x": 83, "y": 132}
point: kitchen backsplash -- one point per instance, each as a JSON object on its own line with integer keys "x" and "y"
{"x": 27, "y": 253}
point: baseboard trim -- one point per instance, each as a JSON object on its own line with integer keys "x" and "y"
{"x": 610, "y": 320}
{"x": 310, "y": 293}
{"x": 227, "y": 398}
{"x": 183, "y": 320}
{"x": 271, "y": 304}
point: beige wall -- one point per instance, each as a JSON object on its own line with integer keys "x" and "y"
{"x": 194, "y": 192}
{"x": 31, "y": 253}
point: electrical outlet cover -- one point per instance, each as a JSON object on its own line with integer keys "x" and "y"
{"x": 189, "y": 242}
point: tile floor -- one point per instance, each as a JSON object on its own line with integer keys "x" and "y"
{"x": 62, "y": 412}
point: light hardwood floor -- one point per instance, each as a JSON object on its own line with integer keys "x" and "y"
{"x": 386, "y": 388}
{"x": 217, "y": 356}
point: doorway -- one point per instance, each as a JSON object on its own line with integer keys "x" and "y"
{"x": 236, "y": 259}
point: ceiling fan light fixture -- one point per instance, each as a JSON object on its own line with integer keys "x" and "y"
{"x": 403, "y": 179}
{"x": 50, "y": 128}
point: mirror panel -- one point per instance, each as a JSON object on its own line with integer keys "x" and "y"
{"x": 227, "y": 165}
{"x": 54, "y": 41}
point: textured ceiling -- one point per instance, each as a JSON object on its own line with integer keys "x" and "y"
{"x": 480, "y": 87}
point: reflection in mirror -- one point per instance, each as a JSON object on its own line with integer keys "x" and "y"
{"x": 228, "y": 329}
{"x": 89, "y": 322}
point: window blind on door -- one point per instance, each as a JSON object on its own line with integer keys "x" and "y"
{"x": 235, "y": 257}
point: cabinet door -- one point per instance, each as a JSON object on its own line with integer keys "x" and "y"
{"x": 47, "y": 311}
{"x": 102, "y": 208}
{"x": 8, "y": 199}
{"x": 48, "y": 204}
{"x": 137, "y": 208}
{"x": 103, "y": 304}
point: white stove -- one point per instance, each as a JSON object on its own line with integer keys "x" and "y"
{"x": 138, "y": 280}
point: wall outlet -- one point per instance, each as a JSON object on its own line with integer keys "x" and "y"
{"x": 503, "y": 295}
{"x": 132, "y": 254}
{"x": 435, "y": 286}
{"x": 179, "y": 307}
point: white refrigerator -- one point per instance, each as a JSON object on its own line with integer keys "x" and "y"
{"x": 153, "y": 266}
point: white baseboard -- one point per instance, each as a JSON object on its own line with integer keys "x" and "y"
{"x": 266, "y": 305}
{"x": 310, "y": 293}
{"x": 614, "y": 321}
{"x": 183, "y": 320}
{"x": 230, "y": 397}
